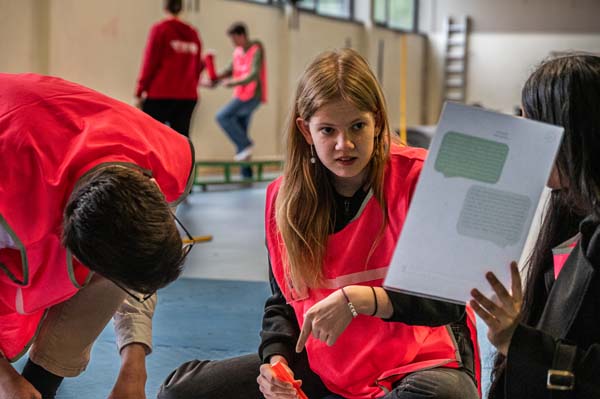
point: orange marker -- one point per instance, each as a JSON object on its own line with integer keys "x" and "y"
{"x": 282, "y": 374}
{"x": 196, "y": 239}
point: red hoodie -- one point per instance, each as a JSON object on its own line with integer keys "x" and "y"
{"x": 172, "y": 62}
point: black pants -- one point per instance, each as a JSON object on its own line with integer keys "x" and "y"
{"x": 175, "y": 113}
{"x": 236, "y": 378}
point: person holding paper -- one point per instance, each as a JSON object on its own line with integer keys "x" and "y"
{"x": 548, "y": 336}
{"x": 332, "y": 222}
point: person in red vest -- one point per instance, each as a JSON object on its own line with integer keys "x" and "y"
{"x": 86, "y": 230}
{"x": 167, "y": 87}
{"x": 332, "y": 223}
{"x": 248, "y": 76}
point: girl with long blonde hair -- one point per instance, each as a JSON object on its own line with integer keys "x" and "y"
{"x": 332, "y": 222}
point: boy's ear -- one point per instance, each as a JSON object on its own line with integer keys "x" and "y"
{"x": 302, "y": 125}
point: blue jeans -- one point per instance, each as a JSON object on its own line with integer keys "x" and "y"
{"x": 234, "y": 119}
{"x": 441, "y": 383}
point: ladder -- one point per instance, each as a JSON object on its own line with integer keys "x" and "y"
{"x": 455, "y": 61}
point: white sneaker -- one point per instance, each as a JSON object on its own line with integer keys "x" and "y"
{"x": 245, "y": 154}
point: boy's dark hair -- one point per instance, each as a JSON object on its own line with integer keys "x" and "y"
{"x": 238, "y": 28}
{"x": 173, "y": 6}
{"x": 118, "y": 223}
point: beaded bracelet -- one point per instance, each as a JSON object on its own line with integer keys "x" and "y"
{"x": 350, "y": 305}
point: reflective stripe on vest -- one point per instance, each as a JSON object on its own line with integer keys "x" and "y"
{"x": 561, "y": 254}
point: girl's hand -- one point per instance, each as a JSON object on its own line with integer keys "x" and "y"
{"x": 272, "y": 387}
{"x": 502, "y": 315}
{"x": 326, "y": 320}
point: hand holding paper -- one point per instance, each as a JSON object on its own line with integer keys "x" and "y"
{"x": 502, "y": 316}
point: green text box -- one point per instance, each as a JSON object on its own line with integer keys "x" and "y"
{"x": 494, "y": 215}
{"x": 474, "y": 158}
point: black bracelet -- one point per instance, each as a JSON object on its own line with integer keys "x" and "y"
{"x": 376, "y": 304}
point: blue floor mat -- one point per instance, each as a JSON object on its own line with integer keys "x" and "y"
{"x": 203, "y": 319}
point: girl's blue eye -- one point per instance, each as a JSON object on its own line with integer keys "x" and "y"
{"x": 326, "y": 130}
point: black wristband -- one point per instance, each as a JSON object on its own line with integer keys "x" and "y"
{"x": 376, "y": 304}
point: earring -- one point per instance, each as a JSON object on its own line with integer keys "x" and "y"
{"x": 313, "y": 160}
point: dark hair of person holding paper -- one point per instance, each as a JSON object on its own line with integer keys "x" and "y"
{"x": 548, "y": 335}
{"x": 332, "y": 223}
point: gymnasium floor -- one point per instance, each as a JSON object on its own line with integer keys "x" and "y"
{"x": 214, "y": 311}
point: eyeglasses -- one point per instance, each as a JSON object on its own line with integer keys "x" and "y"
{"x": 188, "y": 243}
{"x": 137, "y": 297}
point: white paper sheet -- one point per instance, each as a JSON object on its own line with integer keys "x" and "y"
{"x": 474, "y": 203}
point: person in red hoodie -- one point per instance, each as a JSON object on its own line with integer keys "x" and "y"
{"x": 167, "y": 87}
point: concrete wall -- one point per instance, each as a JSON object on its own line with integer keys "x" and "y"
{"x": 565, "y": 16}
{"x": 99, "y": 43}
{"x": 415, "y": 73}
{"x": 24, "y": 33}
{"x": 508, "y": 39}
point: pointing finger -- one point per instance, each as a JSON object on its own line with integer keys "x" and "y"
{"x": 304, "y": 334}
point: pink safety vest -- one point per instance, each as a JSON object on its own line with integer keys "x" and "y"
{"x": 371, "y": 354}
{"x": 242, "y": 66}
{"x": 51, "y": 133}
{"x": 562, "y": 253}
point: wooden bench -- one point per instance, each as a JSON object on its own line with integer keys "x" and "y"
{"x": 225, "y": 169}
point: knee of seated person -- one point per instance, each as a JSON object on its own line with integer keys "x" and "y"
{"x": 177, "y": 389}
{"x": 184, "y": 391}
{"x": 185, "y": 382}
